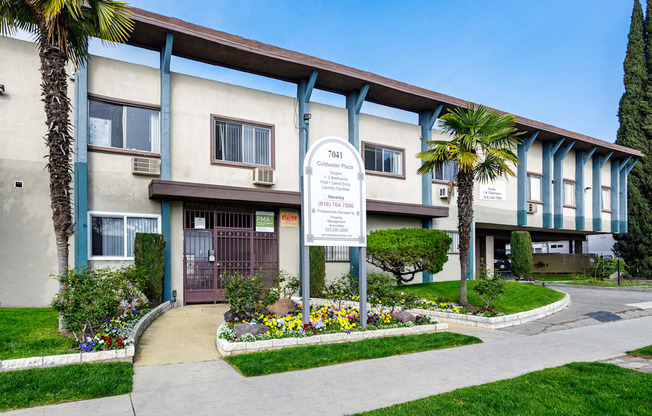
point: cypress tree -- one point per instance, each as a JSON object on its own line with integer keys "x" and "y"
{"x": 635, "y": 116}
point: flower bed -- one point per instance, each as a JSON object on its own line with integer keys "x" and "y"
{"x": 115, "y": 333}
{"x": 323, "y": 320}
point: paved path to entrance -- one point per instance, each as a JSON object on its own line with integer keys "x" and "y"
{"x": 214, "y": 387}
{"x": 182, "y": 335}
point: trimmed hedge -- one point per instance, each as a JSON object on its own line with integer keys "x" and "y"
{"x": 521, "y": 253}
{"x": 317, "y": 270}
{"x": 407, "y": 251}
{"x": 149, "y": 257}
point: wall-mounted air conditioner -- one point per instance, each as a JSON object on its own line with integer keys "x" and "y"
{"x": 531, "y": 208}
{"x": 264, "y": 176}
{"x": 145, "y": 166}
{"x": 443, "y": 193}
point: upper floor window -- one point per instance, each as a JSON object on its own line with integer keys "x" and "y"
{"x": 112, "y": 235}
{"x": 383, "y": 159}
{"x": 242, "y": 143}
{"x": 446, "y": 172}
{"x": 569, "y": 193}
{"x": 606, "y": 199}
{"x": 534, "y": 188}
{"x": 123, "y": 127}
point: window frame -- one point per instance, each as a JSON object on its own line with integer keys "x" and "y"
{"x": 384, "y": 146}
{"x": 272, "y": 145}
{"x": 602, "y": 189}
{"x": 528, "y": 188}
{"x": 564, "y": 182}
{"x": 443, "y": 181}
{"x": 124, "y": 103}
{"x": 124, "y": 216}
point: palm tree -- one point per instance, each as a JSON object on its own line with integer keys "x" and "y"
{"x": 62, "y": 29}
{"x": 482, "y": 145}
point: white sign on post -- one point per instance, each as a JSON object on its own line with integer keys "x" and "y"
{"x": 334, "y": 195}
{"x": 334, "y": 208}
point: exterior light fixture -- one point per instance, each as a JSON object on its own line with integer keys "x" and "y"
{"x": 2, "y": 88}
{"x": 588, "y": 188}
{"x": 174, "y": 296}
{"x": 306, "y": 118}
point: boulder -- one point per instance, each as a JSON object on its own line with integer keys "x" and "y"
{"x": 282, "y": 307}
{"x": 229, "y": 316}
{"x": 403, "y": 316}
{"x": 253, "y": 329}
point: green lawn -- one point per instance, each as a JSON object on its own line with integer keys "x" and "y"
{"x": 574, "y": 389}
{"x": 299, "y": 358}
{"x": 645, "y": 352}
{"x": 41, "y": 386}
{"x": 31, "y": 332}
{"x": 553, "y": 277}
{"x": 518, "y": 297}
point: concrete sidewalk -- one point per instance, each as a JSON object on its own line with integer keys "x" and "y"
{"x": 213, "y": 387}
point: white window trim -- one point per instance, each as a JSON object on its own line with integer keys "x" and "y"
{"x": 124, "y": 216}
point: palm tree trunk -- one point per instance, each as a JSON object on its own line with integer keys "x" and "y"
{"x": 465, "y": 219}
{"x": 54, "y": 87}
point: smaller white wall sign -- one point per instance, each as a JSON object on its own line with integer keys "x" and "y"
{"x": 494, "y": 191}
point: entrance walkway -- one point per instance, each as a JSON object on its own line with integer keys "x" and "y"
{"x": 183, "y": 335}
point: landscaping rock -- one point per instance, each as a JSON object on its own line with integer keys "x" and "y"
{"x": 253, "y": 329}
{"x": 403, "y": 316}
{"x": 282, "y": 307}
{"x": 230, "y": 316}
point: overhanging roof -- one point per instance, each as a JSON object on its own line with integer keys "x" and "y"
{"x": 200, "y": 192}
{"x": 218, "y": 48}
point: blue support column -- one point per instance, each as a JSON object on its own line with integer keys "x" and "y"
{"x": 521, "y": 179}
{"x": 615, "y": 195}
{"x": 624, "y": 209}
{"x": 559, "y": 156}
{"x": 81, "y": 166}
{"x": 546, "y": 183}
{"x": 304, "y": 92}
{"x": 598, "y": 164}
{"x": 581, "y": 158}
{"x": 622, "y": 177}
{"x": 427, "y": 121}
{"x": 166, "y": 56}
{"x": 354, "y": 101}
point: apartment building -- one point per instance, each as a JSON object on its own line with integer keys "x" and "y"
{"x": 216, "y": 167}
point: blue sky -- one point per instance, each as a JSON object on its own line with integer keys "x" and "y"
{"x": 554, "y": 61}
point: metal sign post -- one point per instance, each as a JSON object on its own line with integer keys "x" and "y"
{"x": 334, "y": 208}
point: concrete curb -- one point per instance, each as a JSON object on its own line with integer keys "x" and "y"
{"x": 472, "y": 320}
{"x": 124, "y": 354}
{"x": 226, "y": 348}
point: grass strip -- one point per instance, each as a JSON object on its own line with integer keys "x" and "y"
{"x": 574, "y": 389}
{"x": 645, "y": 352}
{"x": 299, "y": 358}
{"x": 605, "y": 283}
{"x": 518, "y": 297}
{"x": 31, "y": 332}
{"x": 41, "y": 386}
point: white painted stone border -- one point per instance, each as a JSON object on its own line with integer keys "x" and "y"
{"x": 497, "y": 322}
{"x": 124, "y": 354}
{"x": 226, "y": 348}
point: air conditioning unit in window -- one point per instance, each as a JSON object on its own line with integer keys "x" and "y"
{"x": 145, "y": 166}
{"x": 443, "y": 193}
{"x": 264, "y": 176}
{"x": 531, "y": 208}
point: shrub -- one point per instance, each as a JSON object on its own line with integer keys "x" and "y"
{"x": 149, "y": 258}
{"x": 317, "y": 270}
{"x": 521, "y": 248}
{"x": 382, "y": 293}
{"x": 489, "y": 287}
{"x": 605, "y": 267}
{"x": 340, "y": 289}
{"x": 287, "y": 285}
{"x": 541, "y": 264}
{"x": 408, "y": 251}
{"x": 89, "y": 297}
{"x": 245, "y": 293}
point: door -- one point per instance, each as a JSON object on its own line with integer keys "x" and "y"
{"x": 238, "y": 248}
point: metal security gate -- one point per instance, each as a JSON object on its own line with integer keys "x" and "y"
{"x": 220, "y": 240}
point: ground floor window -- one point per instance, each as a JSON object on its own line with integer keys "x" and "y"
{"x": 337, "y": 254}
{"x": 455, "y": 244}
{"x": 112, "y": 235}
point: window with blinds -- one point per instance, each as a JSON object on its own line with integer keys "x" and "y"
{"x": 242, "y": 143}
{"x": 455, "y": 244}
{"x": 112, "y": 235}
{"x": 337, "y": 254}
{"x": 383, "y": 160}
